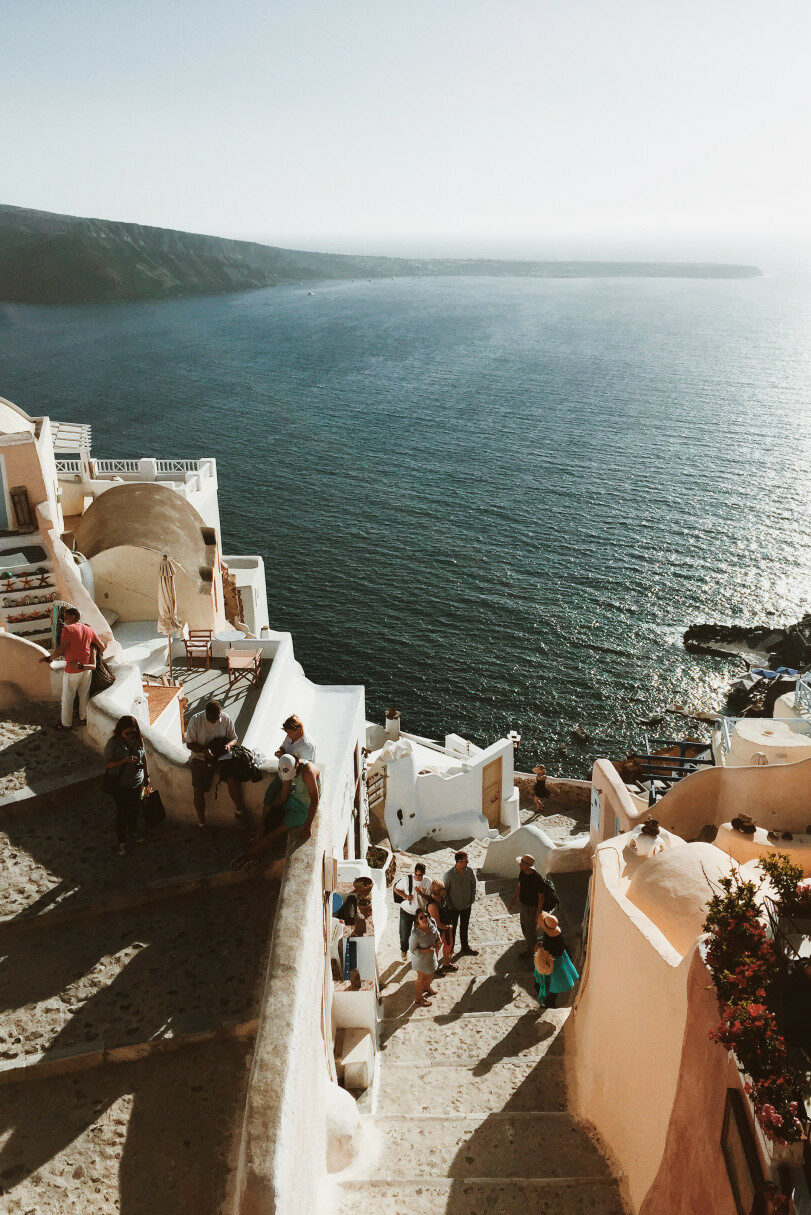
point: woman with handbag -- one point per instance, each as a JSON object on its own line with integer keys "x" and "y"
{"x": 555, "y": 972}
{"x": 422, "y": 944}
{"x": 126, "y": 779}
{"x": 435, "y": 910}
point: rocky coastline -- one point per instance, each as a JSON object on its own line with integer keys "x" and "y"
{"x": 759, "y": 644}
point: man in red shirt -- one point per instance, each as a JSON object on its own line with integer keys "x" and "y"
{"x": 76, "y": 645}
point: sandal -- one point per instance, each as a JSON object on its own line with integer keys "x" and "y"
{"x": 421, "y": 1003}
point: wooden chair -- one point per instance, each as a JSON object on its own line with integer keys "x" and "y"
{"x": 198, "y": 647}
{"x": 243, "y": 664}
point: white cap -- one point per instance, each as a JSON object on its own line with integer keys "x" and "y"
{"x": 287, "y": 767}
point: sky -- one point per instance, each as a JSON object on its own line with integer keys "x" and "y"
{"x": 480, "y": 126}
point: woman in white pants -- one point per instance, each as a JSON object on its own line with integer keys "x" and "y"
{"x": 76, "y": 645}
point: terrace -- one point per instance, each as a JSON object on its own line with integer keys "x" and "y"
{"x": 128, "y": 1001}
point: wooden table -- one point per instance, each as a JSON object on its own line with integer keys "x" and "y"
{"x": 243, "y": 664}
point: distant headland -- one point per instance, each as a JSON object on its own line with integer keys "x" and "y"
{"x": 63, "y": 259}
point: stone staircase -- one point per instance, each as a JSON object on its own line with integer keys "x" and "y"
{"x": 129, "y": 997}
{"x": 468, "y": 1113}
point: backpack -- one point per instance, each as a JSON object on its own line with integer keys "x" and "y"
{"x": 401, "y": 898}
{"x": 247, "y": 764}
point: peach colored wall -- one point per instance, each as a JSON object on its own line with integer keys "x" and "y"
{"x": 624, "y": 1036}
{"x": 23, "y": 468}
{"x": 23, "y": 675}
{"x": 68, "y": 583}
{"x": 640, "y": 1066}
{"x": 692, "y": 1175}
{"x": 126, "y": 581}
{"x": 776, "y": 797}
{"x": 615, "y": 802}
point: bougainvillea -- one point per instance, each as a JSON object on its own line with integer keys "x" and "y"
{"x": 744, "y": 965}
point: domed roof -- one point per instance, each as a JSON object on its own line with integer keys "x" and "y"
{"x": 674, "y": 887}
{"x": 13, "y": 420}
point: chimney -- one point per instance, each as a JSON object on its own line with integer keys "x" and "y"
{"x": 393, "y": 723}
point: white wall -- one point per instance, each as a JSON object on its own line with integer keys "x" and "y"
{"x": 447, "y": 805}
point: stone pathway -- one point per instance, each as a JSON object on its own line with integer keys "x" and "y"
{"x": 152, "y": 984}
{"x": 34, "y": 753}
{"x": 468, "y": 1113}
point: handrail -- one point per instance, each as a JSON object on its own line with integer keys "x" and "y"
{"x": 117, "y": 466}
{"x": 68, "y": 466}
{"x": 727, "y": 724}
{"x": 802, "y": 693}
{"x": 176, "y": 466}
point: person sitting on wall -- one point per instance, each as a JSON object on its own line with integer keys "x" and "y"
{"x": 296, "y": 742}
{"x": 77, "y": 642}
{"x": 209, "y": 735}
{"x": 291, "y": 802}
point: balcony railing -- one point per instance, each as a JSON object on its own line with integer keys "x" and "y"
{"x": 116, "y": 468}
{"x": 726, "y": 727}
{"x": 68, "y": 467}
{"x": 176, "y": 466}
{"x": 802, "y": 694}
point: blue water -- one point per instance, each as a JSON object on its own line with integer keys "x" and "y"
{"x": 497, "y": 503}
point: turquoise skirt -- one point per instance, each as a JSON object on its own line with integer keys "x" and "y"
{"x": 563, "y": 978}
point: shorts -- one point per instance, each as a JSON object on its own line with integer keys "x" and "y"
{"x": 202, "y": 775}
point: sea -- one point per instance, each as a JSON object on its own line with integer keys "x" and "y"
{"x": 496, "y": 503}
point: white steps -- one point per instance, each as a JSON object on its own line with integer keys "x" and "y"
{"x": 468, "y": 1113}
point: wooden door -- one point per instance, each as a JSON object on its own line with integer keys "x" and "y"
{"x": 491, "y": 791}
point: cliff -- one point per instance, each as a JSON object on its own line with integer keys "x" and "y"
{"x": 62, "y": 259}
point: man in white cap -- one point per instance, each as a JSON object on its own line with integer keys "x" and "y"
{"x": 291, "y": 802}
{"x": 534, "y": 895}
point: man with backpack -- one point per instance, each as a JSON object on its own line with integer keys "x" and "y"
{"x": 411, "y": 893}
{"x": 535, "y": 895}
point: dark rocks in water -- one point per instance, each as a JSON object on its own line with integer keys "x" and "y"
{"x": 582, "y": 735}
{"x": 789, "y": 647}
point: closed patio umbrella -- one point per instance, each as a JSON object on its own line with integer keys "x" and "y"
{"x": 168, "y": 618}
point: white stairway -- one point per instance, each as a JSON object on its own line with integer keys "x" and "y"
{"x": 468, "y": 1110}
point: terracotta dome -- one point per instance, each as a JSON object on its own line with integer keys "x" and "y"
{"x": 674, "y": 887}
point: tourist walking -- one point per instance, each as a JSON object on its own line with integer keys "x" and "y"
{"x": 126, "y": 778}
{"x": 410, "y": 893}
{"x": 77, "y": 642}
{"x": 460, "y": 895}
{"x": 209, "y": 734}
{"x": 422, "y": 944}
{"x": 555, "y": 973}
{"x": 296, "y": 742}
{"x": 434, "y": 908}
{"x": 534, "y": 895}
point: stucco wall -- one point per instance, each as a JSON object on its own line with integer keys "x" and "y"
{"x": 284, "y": 1145}
{"x": 776, "y": 797}
{"x": 616, "y": 803}
{"x": 148, "y": 515}
{"x": 69, "y": 585}
{"x": 126, "y": 581}
{"x": 692, "y": 1176}
{"x": 23, "y": 674}
{"x": 640, "y": 1065}
{"x": 21, "y": 458}
{"x": 624, "y": 1036}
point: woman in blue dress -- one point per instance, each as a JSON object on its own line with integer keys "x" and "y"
{"x": 552, "y": 949}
